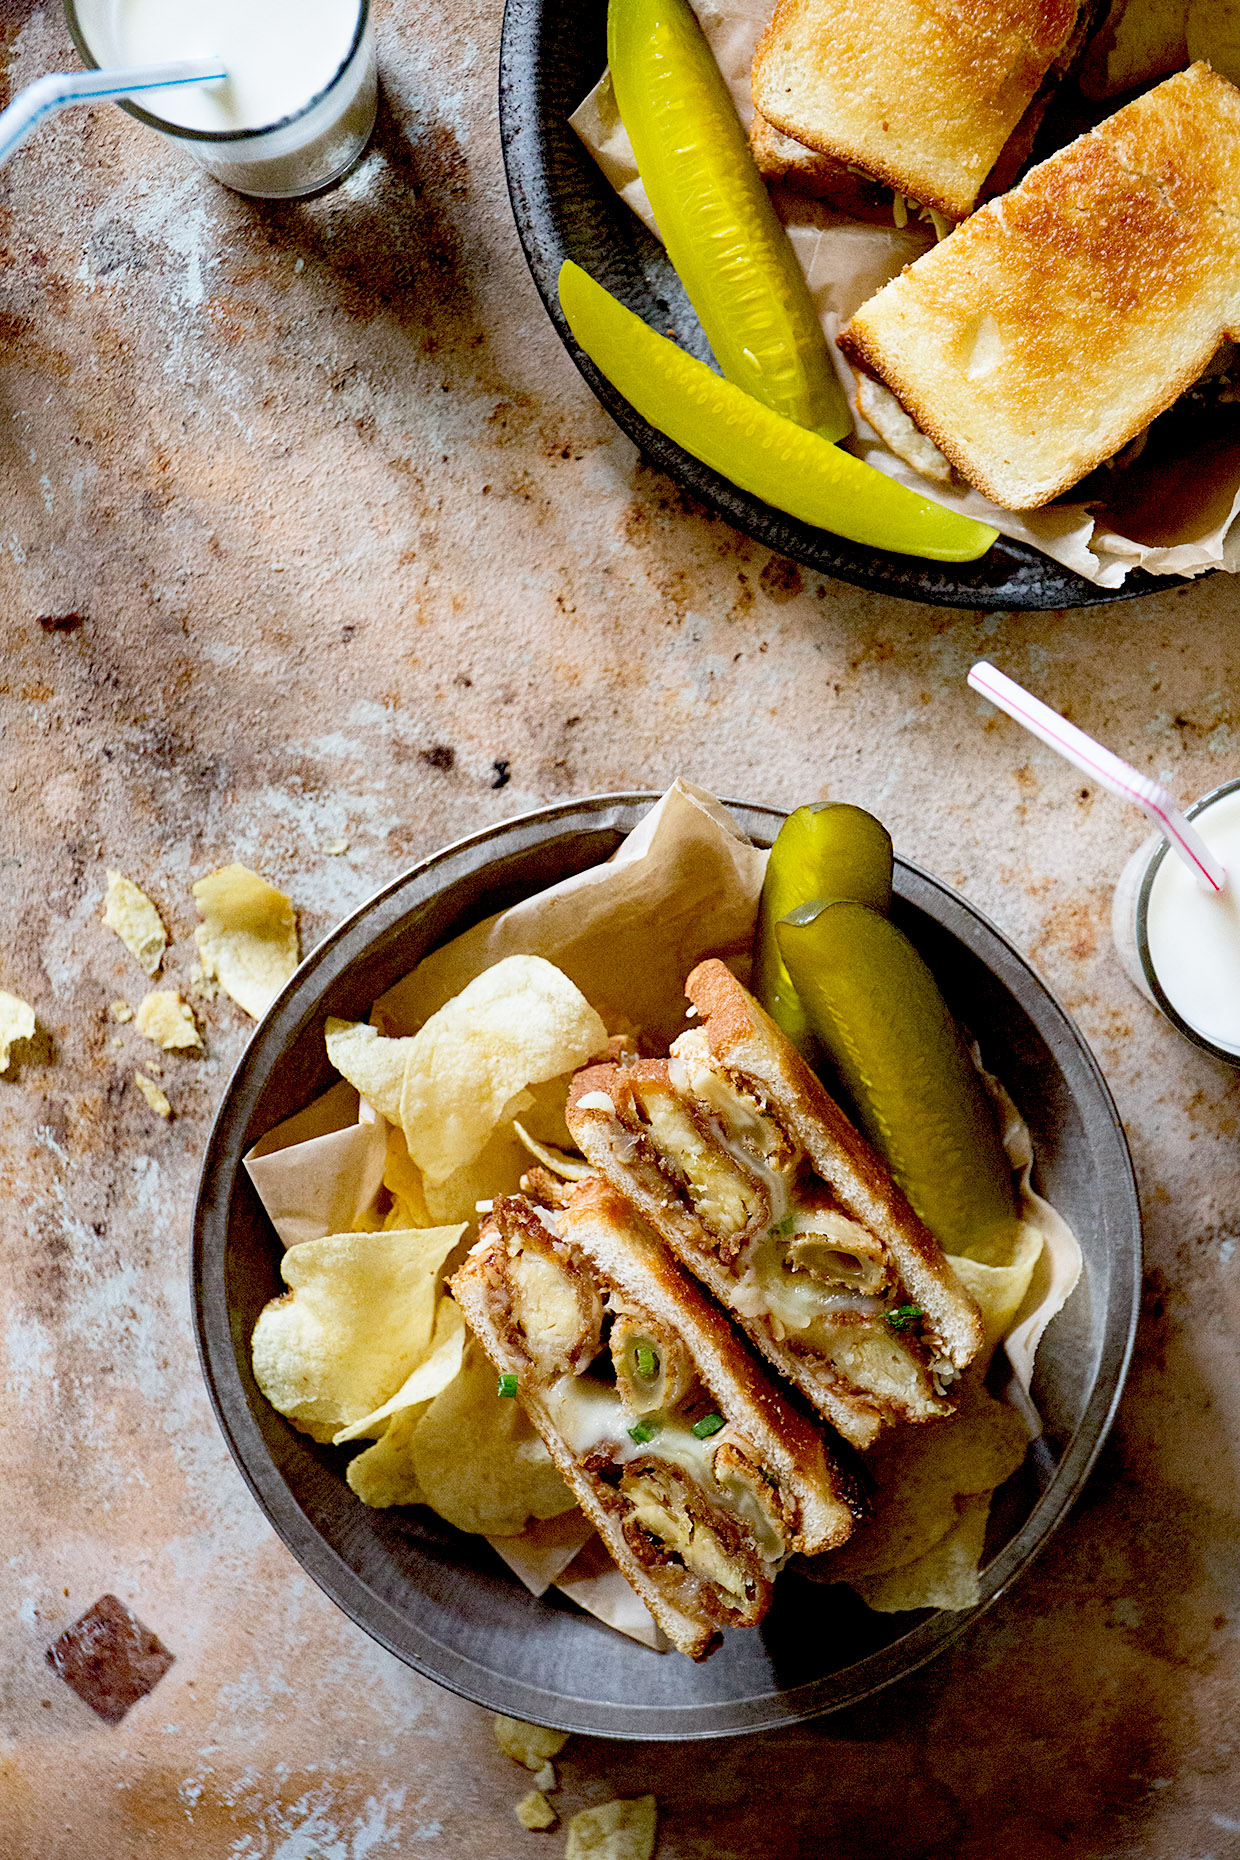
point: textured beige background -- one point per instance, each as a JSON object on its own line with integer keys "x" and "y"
{"x": 345, "y": 531}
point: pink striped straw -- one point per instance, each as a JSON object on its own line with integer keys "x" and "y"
{"x": 1106, "y": 769}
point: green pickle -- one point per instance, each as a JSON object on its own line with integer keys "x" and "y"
{"x": 788, "y": 466}
{"x": 715, "y": 216}
{"x": 878, "y": 1013}
{"x": 828, "y": 850}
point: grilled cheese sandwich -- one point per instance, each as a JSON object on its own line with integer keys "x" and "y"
{"x": 699, "y": 1473}
{"x": 1057, "y": 322}
{"x": 923, "y": 95}
{"x": 736, "y": 1155}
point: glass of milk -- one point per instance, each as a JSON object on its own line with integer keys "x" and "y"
{"x": 1179, "y": 943}
{"x": 298, "y": 106}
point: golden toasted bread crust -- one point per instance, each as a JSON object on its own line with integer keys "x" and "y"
{"x": 628, "y": 1254}
{"x": 601, "y": 1232}
{"x": 1053, "y": 326}
{"x": 922, "y": 94}
{"x": 742, "y": 1036}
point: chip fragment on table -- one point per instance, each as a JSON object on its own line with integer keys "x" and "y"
{"x": 248, "y": 939}
{"x": 16, "y": 1023}
{"x": 162, "y": 1016}
{"x": 137, "y": 923}
{"x": 618, "y": 1830}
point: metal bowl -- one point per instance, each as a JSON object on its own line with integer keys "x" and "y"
{"x": 553, "y": 53}
{"x": 442, "y": 1601}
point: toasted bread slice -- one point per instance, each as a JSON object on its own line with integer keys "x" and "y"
{"x": 1052, "y": 327}
{"x": 921, "y": 94}
{"x": 737, "y": 1156}
{"x": 698, "y": 1523}
{"x": 806, "y": 171}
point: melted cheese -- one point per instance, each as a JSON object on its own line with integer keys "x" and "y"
{"x": 589, "y": 1415}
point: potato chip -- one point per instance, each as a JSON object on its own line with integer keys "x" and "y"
{"x": 372, "y": 1064}
{"x": 16, "y": 1023}
{"x": 383, "y": 1475}
{"x": 120, "y": 1011}
{"x": 137, "y": 923}
{"x": 534, "y": 1811}
{"x": 999, "y": 1290}
{"x": 531, "y": 1744}
{"x": 614, "y": 1831}
{"x": 546, "y": 1778}
{"x": 163, "y": 1017}
{"x": 946, "y": 1576}
{"x": 496, "y": 1171}
{"x": 518, "y": 1024}
{"x": 479, "y": 1461}
{"x": 357, "y": 1321}
{"x": 920, "y": 1473}
{"x": 157, "y": 1099}
{"x": 247, "y": 940}
{"x": 424, "y": 1383}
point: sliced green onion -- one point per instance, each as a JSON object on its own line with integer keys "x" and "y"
{"x": 783, "y": 1227}
{"x": 708, "y": 1425}
{"x": 641, "y": 1433}
{"x": 507, "y": 1385}
{"x": 903, "y": 1316}
{"x": 647, "y": 1363}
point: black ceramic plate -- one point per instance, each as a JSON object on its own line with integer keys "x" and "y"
{"x": 554, "y": 52}
{"x": 443, "y": 1601}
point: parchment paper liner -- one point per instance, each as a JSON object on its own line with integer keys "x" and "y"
{"x": 684, "y": 885}
{"x": 845, "y": 263}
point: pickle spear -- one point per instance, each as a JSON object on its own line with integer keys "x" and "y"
{"x": 828, "y": 850}
{"x": 877, "y": 1010}
{"x": 715, "y": 216}
{"x": 784, "y": 464}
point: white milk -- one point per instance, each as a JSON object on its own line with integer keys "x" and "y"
{"x": 1193, "y": 936}
{"x": 279, "y": 54}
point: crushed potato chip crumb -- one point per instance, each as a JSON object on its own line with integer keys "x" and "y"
{"x": 247, "y": 940}
{"x": 547, "y": 1778}
{"x": 334, "y": 848}
{"x": 163, "y": 1017}
{"x": 535, "y": 1811}
{"x": 137, "y": 923}
{"x": 530, "y": 1744}
{"x": 621, "y": 1830}
{"x": 202, "y": 986}
{"x": 16, "y": 1023}
{"x": 157, "y": 1099}
{"x": 120, "y": 1011}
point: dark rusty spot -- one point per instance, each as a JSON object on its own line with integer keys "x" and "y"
{"x": 502, "y": 775}
{"x": 442, "y": 756}
{"x": 109, "y": 1659}
{"x": 781, "y": 579}
{"x": 61, "y": 623}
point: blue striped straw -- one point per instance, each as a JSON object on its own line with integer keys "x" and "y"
{"x": 52, "y": 93}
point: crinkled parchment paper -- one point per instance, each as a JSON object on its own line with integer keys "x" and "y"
{"x": 845, "y": 263}
{"x": 684, "y": 885}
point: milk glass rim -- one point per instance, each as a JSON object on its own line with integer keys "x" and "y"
{"x": 1142, "y": 922}
{"x": 181, "y": 130}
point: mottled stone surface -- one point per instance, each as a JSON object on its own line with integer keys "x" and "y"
{"x": 309, "y": 533}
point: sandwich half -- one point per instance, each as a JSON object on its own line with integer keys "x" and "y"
{"x": 737, "y": 1156}
{"x": 1052, "y": 327}
{"x": 700, "y": 1474}
{"x": 922, "y": 95}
